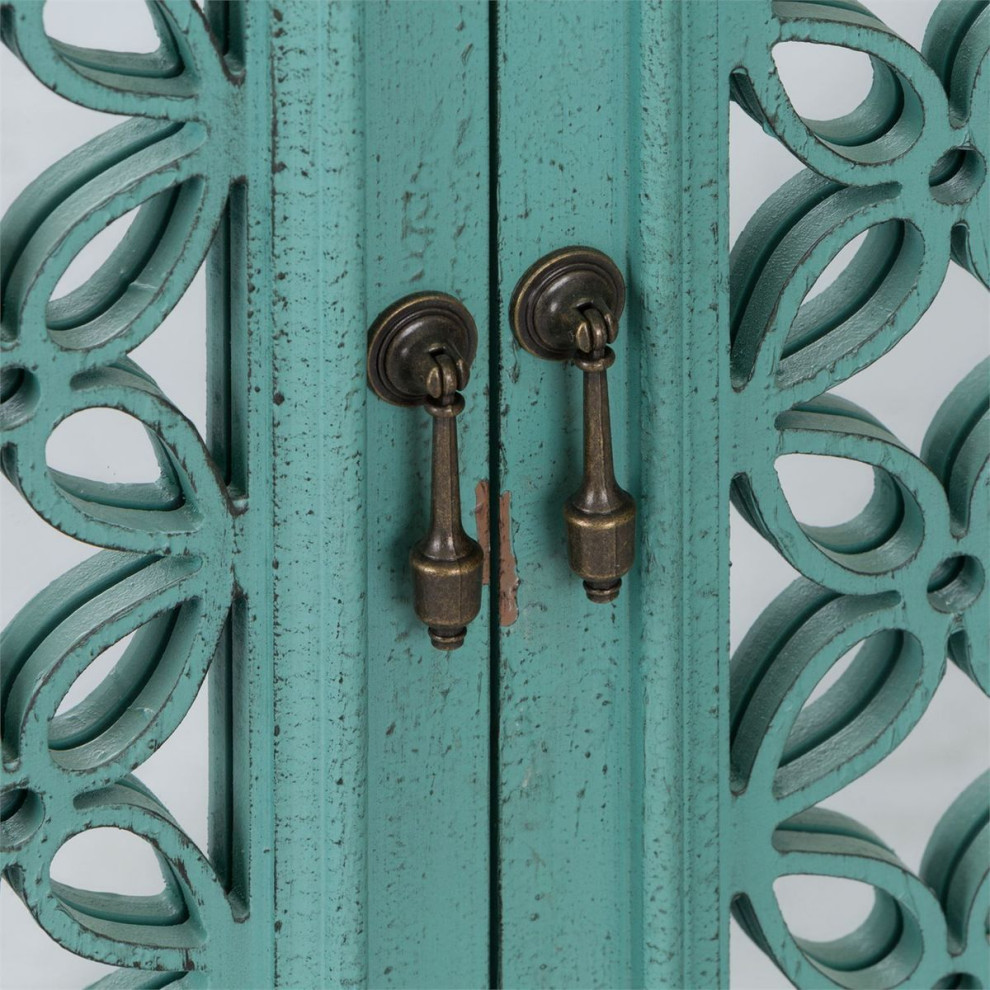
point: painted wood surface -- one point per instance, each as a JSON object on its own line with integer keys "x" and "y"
{"x": 577, "y": 796}
{"x": 904, "y": 580}
{"x": 679, "y": 264}
{"x": 568, "y": 784}
{"x": 609, "y": 803}
{"x": 381, "y": 752}
{"x": 349, "y": 761}
{"x": 427, "y": 227}
{"x": 172, "y": 564}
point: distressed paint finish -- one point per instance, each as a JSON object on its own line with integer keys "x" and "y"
{"x": 427, "y": 227}
{"x": 173, "y": 563}
{"x": 678, "y": 270}
{"x": 317, "y": 307}
{"x": 610, "y": 746}
{"x": 568, "y": 793}
{"x": 908, "y": 577}
{"x": 255, "y": 546}
{"x": 331, "y": 158}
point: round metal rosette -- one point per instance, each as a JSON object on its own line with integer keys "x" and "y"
{"x": 549, "y": 300}
{"x": 404, "y": 339}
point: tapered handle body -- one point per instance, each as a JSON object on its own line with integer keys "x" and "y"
{"x": 600, "y": 516}
{"x": 566, "y": 307}
{"x": 420, "y": 351}
{"x": 446, "y": 563}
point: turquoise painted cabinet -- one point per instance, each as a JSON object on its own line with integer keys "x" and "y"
{"x": 583, "y": 793}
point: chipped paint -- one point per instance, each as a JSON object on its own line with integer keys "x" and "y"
{"x": 508, "y": 579}
{"x": 481, "y": 514}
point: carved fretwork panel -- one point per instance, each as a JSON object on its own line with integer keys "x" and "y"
{"x": 904, "y": 582}
{"x": 166, "y": 570}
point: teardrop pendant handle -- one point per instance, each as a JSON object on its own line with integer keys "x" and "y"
{"x": 566, "y": 307}
{"x": 420, "y": 351}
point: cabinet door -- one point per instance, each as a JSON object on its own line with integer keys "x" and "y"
{"x": 647, "y": 782}
{"x": 582, "y": 793}
{"x": 611, "y": 129}
{"x": 650, "y": 779}
{"x": 332, "y": 158}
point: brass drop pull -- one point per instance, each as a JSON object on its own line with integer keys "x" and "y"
{"x": 566, "y": 307}
{"x": 420, "y": 351}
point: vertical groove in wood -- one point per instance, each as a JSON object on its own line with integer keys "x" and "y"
{"x": 678, "y": 273}
{"x": 499, "y": 525}
{"x": 240, "y": 355}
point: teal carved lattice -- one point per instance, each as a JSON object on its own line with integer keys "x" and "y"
{"x": 905, "y": 581}
{"x": 167, "y": 571}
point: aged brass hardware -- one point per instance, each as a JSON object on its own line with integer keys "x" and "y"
{"x": 420, "y": 351}
{"x": 566, "y": 307}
